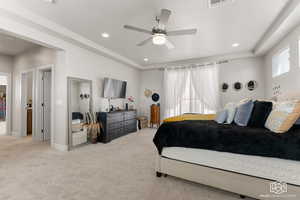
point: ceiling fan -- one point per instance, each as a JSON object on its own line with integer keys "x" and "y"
{"x": 159, "y": 33}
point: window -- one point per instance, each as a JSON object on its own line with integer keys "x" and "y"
{"x": 191, "y": 90}
{"x": 281, "y": 63}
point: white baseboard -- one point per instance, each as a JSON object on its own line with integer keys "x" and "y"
{"x": 60, "y": 147}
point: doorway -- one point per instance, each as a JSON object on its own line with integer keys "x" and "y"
{"x": 36, "y": 98}
{"x": 27, "y": 102}
{"x": 4, "y": 103}
{"x": 45, "y": 88}
{"x": 46, "y": 105}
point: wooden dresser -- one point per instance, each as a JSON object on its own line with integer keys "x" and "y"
{"x": 155, "y": 116}
{"x": 117, "y": 124}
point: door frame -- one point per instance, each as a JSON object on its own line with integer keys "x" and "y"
{"x": 70, "y": 79}
{"x": 39, "y": 71}
{"x": 8, "y": 102}
{"x": 36, "y": 102}
{"x": 23, "y": 116}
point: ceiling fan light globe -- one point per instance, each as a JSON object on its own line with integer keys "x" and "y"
{"x": 159, "y": 39}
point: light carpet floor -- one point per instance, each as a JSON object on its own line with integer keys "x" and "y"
{"x": 120, "y": 170}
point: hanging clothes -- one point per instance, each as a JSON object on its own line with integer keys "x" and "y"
{"x": 2, "y": 108}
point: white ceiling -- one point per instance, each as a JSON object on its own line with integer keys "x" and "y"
{"x": 12, "y": 46}
{"x": 244, "y": 21}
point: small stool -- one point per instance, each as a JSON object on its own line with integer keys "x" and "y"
{"x": 142, "y": 122}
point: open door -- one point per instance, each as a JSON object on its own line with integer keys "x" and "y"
{"x": 27, "y": 104}
{"x": 46, "y": 105}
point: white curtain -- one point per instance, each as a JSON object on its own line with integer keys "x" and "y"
{"x": 191, "y": 90}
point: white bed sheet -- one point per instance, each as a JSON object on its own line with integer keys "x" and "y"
{"x": 287, "y": 171}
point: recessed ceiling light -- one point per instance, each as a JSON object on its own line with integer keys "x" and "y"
{"x": 105, "y": 35}
{"x": 146, "y": 59}
{"x": 235, "y": 45}
{"x": 49, "y": 1}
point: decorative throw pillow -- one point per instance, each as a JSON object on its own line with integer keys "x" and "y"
{"x": 221, "y": 117}
{"x": 297, "y": 122}
{"x": 283, "y": 116}
{"x": 243, "y": 113}
{"x": 231, "y": 110}
{"x": 260, "y": 114}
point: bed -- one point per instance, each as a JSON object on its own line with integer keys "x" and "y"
{"x": 254, "y": 163}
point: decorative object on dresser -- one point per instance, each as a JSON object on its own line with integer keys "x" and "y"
{"x": 117, "y": 124}
{"x": 155, "y": 115}
{"x": 130, "y": 105}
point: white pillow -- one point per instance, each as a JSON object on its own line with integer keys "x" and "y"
{"x": 221, "y": 116}
{"x": 231, "y": 110}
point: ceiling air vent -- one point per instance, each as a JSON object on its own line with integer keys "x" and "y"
{"x": 218, "y": 3}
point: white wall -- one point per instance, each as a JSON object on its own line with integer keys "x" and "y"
{"x": 30, "y": 59}
{"x": 80, "y": 63}
{"x": 152, "y": 80}
{"x": 289, "y": 82}
{"x": 73, "y": 61}
{"x": 242, "y": 70}
{"x": 6, "y": 63}
{"x": 29, "y": 77}
{"x": 88, "y": 65}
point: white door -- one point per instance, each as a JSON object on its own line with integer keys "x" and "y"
{"x": 23, "y": 105}
{"x": 46, "y": 106}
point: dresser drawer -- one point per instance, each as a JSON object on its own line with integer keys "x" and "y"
{"x": 115, "y": 133}
{"x": 130, "y": 115}
{"x": 115, "y": 125}
{"x": 130, "y": 129}
{"x": 130, "y": 122}
{"x": 115, "y": 117}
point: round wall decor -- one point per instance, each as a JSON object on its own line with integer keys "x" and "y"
{"x": 147, "y": 93}
{"x": 237, "y": 86}
{"x": 224, "y": 87}
{"x": 252, "y": 85}
{"x": 155, "y": 97}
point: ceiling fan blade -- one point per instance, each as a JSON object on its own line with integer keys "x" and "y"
{"x": 169, "y": 45}
{"x": 164, "y": 16}
{"x": 144, "y": 42}
{"x": 133, "y": 28}
{"x": 183, "y": 32}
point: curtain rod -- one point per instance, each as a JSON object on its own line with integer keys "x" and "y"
{"x": 195, "y": 65}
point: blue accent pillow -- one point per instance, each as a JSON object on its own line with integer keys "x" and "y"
{"x": 221, "y": 116}
{"x": 243, "y": 113}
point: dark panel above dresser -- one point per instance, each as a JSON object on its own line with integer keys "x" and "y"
{"x": 117, "y": 124}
